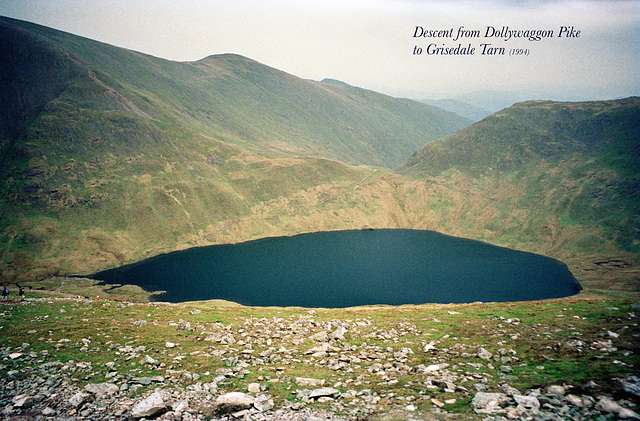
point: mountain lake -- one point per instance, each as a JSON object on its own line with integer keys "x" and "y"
{"x": 338, "y": 269}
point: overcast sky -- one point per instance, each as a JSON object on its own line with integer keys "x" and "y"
{"x": 371, "y": 43}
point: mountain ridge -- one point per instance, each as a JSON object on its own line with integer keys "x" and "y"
{"x": 245, "y": 102}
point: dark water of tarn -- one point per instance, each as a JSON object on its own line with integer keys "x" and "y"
{"x": 350, "y": 268}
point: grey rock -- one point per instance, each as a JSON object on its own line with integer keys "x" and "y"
{"x": 79, "y": 399}
{"x": 253, "y": 388}
{"x": 309, "y": 382}
{"x": 509, "y": 390}
{"x": 607, "y": 405}
{"x": 324, "y": 392}
{"x": 48, "y": 412}
{"x": 262, "y": 403}
{"x": 150, "y": 407}
{"x": 150, "y": 360}
{"x": 184, "y": 325}
{"x": 22, "y": 401}
{"x": 489, "y": 403}
{"x": 483, "y": 354}
{"x": 338, "y": 334}
{"x": 529, "y": 402}
{"x": 555, "y": 390}
{"x": 321, "y": 336}
{"x": 101, "y": 390}
{"x": 631, "y": 385}
{"x": 233, "y": 402}
{"x": 435, "y": 367}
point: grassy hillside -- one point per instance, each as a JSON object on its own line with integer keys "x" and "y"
{"x": 109, "y": 155}
{"x": 228, "y": 97}
{"x": 564, "y": 176}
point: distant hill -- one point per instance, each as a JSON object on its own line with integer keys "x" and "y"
{"x": 334, "y": 82}
{"x": 576, "y": 162}
{"x": 461, "y": 108}
{"x": 491, "y": 100}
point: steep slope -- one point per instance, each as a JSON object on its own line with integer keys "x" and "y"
{"x": 109, "y": 155}
{"x": 559, "y": 165}
{"x": 228, "y": 97}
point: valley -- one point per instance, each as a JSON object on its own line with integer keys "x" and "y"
{"x": 110, "y": 156}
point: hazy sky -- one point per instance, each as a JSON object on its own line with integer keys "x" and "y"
{"x": 371, "y": 43}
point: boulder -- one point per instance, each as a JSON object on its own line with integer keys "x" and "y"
{"x": 101, "y": 390}
{"x": 79, "y": 399}
{"x": 262, "y": 403}
{"x": 233, "y": 402}
{"x": 529, "y": 402}
{"x": 607, "y": 405}
{"x": 489, "y": 403}
{"x": 150, "y": 407}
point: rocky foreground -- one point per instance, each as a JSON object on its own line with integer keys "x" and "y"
{"x": 79, "y": 359}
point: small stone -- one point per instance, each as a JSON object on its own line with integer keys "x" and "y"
{"x": 484, "y": 354}
{"x": 170, "y": 345}
{"x": 319, "y": 337}
{"x": 437, "y": 403}
{"x": 22, "y": 401}
{"x": 150, "y": 360}
{"x": 575, "y": 401}
{"x": 631, "y": 385}
{"x": 145, "y": 381}
{"x": 607, "y": 405}
{"x": 324, "y": 392}
{"x": 48, "y": 412}
{"x": 509, "y": 390}
{"x": 262, "y": 403}
{"x": 555, "y": 390}
{"x": 435, "y": 367}
{"x": 184, "y": 325}
{"x": 309, "y": 382}
{"x": 253, "y": 388}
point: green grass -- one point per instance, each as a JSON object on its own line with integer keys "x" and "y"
{"x": 94, "y": 331}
